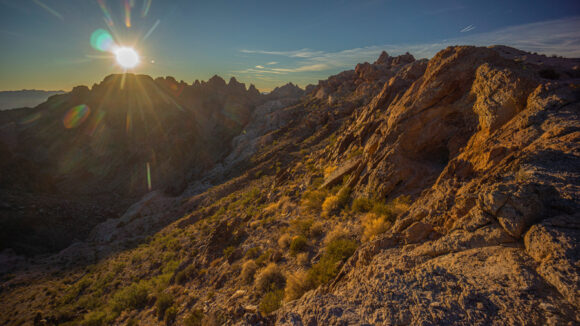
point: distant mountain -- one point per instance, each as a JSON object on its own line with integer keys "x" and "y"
{"x": 26, "y": 98}
{"x": 123, "y": 137}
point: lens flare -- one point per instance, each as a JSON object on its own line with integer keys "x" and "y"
{"x": 106, "y": 12}
{"x": 128, "y": 13}
{"x": 101, "y": 40}
{"x": 126, "y": 57}
{"x": 148, "y": 176}
{"x": 76, "y": 116}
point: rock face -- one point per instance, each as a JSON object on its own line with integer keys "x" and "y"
{"x": 489, "y": 147}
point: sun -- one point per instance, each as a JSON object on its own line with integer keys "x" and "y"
{"x": 126, "y": 57}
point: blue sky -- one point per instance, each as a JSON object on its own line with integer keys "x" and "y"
{"x": 45, "y": 43}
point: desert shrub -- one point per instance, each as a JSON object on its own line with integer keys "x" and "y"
{"x": 284, "y": 240}
{"x": 317, "y": 229}
{"x": 170, "y": 315}
{"x": 264, "y": 257}
{"x": 194, "y": 318}
{"x": 334, "y": 203}
{"x": 374, "y": 225}
{"x": 229, "y": 251}
{"x": 302, "y": 258}
{"x": 271, "y": 301}
{"x": 248, "y": 271}
{"x": 301, "y": 226}
{"x": 313, "y": 199}
{"x": 132, "y": 297}
{"x": 330, "y": 205}
{"x": 298, "y": 244}
{"x": 361, "y": 205}
{"x": 270, "y": 278}
{"x": 163, "y": 302}
{"x": 340, "y": 249}
{"x": 95, "y": 318}
{"x": 327, "y": 267}
{"x": 298, "y": 283}
{"x": 185, "y": 275}
{"x": 253, "y": 253}
{"x": 337, "y": 233}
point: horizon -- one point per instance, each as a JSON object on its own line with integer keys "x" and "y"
{"x": 261, "y": 43}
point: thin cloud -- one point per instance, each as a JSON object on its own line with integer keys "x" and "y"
{"x": 260, "y": 67}
{"x": 561, "y": 37}
{"x": 302, "y": 53}
{"x": 467, "y": 29}
{"x": 271, "y": 63}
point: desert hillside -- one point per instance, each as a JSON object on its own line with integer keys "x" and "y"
{"x": 403, "y": 192}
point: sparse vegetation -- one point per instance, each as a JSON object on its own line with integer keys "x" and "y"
{"x": 270, "y": 278}
{"x": 298, "y": 283}
{"x": 271, "y": 301}
{"x": 134, "y": 296}
{"x": 248, "y": 271}
{"x": 163, "y": 302}
{"x": 298, "y": 244}
{"x": 313, "y": 199}
{"x": 194, "y": 318}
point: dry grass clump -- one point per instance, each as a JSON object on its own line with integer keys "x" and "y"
{"x": 337, "y": 233}
{"x": 298, "y": 283}
{"x": 302, "y": 259}
{"x": 249, "y": 269}
{"x": 298, "y": 244}
{"x": 313, "y": 199}
{"x": 373, "y": 225}
{"x": 334, "y": 203}
{"x": 284, "y": 240}
{"x": 270, "y": 278}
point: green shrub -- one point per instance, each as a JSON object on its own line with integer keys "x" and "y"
{"x": 229, "y": 251}
{"x": 194, "y": 318}
{"x": 298, "y": 244}
{"x": 185, "y": 275}
{"x": 313, "y": 199}
{"x": 95, "y": 318}
{"x": 170, "y": 315}
{"x": 270, "y": 278}
{"x": 327, "y": 267}
{"x": 361, "y": 205}
{"x": 164, "y": 301}
{"x": 132, "y": 297}
{"x": 302, "y": 226}
{"x": 248, "y": 271}
{"x": 271, "y": 301}
{"x": 253, "y": 253}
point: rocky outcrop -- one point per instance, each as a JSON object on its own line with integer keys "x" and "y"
{"x": 489, "y": 148}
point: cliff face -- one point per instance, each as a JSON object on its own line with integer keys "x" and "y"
{"x": 402, "y": 192}
{"x": 488, "y": 147}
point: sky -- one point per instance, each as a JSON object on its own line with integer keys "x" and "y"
{"x": 46, "y": 44}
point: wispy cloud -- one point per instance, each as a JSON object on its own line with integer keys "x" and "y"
{"x": 302, "y": 53}
{"x": 467, "y": 29}
{"x": 560, "y": 37}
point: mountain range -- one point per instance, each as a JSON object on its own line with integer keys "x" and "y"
{"x": 25, "y": 98}
{"x": 402, "y": 192}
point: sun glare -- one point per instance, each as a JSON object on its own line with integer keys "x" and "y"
{"x": 126, "y": 57}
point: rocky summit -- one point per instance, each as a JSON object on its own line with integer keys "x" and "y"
{"x": 402, "y": 192}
